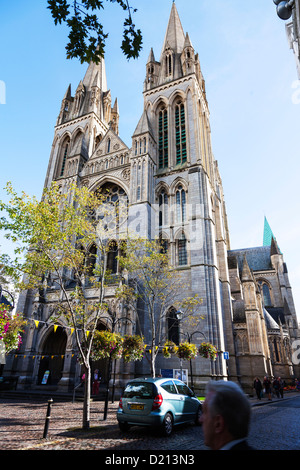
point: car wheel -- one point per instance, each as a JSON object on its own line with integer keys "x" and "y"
{"x": 124, "y": 427}
{"x": 198, "y": 416}
{"x": 167, "y": 426}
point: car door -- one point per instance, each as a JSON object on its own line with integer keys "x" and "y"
{"x": 188, "y": 401}
{"x": 174, "y": 399}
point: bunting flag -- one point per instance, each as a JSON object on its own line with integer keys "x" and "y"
{"x": 39, "y": 356}
{"x": 38, "y": 322}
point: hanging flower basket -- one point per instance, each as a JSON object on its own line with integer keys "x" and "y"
{"x": 133, "y": 348}
{"x": 10, "y": 329}
{"x": 186, "y": 351}
{"x": 208, "y": 351}
{"x": 106, "y": 344}
{"x": 169, "y": 348}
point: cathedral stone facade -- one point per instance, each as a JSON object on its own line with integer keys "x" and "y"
{"x": 174, "y": 191}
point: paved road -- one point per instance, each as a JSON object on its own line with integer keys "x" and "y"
{"x": 275, "y": 426}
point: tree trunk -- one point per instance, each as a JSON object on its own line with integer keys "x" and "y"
{"x": 87, "y": 398}
{"x": 153, "y": 363}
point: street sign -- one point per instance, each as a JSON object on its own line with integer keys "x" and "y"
{"x": 226, "y": 355}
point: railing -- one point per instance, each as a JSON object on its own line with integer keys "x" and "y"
{"x": 74, "y": 391}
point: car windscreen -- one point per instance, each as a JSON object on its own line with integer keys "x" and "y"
{"x": 139, "y": 390}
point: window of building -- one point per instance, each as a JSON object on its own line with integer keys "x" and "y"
{"x": 168, "y": 64}
{"x": 180, "y": 134}
{"x": 163, "y": 209}
{"x": 182, "y": 250}
{"x": 113, "y": 210}
{"x": 163, "y": 139}
{"x": 180, "y": 205}
{"x": 63, "y": 163}
{"x": 266, "y": 294}
{"x": 91, "y": 260}
{"x": 112, "y": 260}
{"x": 173, "y": 326}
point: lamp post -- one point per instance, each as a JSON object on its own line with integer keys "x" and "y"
{"x": 11, "y": 306}
{"x": 114, "y": 322}
{"x": 284, "y": 8}
{"x": 189, "y": 336}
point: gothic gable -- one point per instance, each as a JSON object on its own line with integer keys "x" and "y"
{"x": 110, "y": 144}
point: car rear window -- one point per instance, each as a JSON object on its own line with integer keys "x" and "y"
{"x": 139, "y": 390}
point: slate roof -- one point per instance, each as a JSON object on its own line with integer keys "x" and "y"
{"x": 258, "y": 258}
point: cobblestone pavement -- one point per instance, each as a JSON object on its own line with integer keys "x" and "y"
{"x": 22, "y": 426}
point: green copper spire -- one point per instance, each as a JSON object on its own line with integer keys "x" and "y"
{"x": 268, "y": 235}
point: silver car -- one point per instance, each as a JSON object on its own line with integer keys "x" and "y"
{"x": 158, "y": 402}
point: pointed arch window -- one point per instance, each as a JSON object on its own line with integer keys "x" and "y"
{"x": 168, "y": 64}
{"x": 112, "y": 260}
{"x": 266, "y": 294}
{"x": 182, "y": 250}
{"x": 163, "y": 209}
{"x": 180, "y": 133}
{"x": 180, "y": 205}
{"x": 63, "y": 163}
{"x": 91, "y": 260}
{"x": 173, "y": 326}
{"x": 163, "y": 139}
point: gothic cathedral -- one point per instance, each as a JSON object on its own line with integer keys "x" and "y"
{"x": 174, "y": 191}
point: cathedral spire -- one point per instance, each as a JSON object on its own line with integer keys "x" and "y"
{"x": 175, "y": 37}
{"x": 96, "y": 74}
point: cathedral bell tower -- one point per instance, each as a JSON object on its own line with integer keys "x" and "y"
{"x": 83, "y": 121}
{"x": 176, "y": 188}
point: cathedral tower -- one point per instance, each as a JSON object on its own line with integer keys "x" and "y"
{"x": 186, "y": 207}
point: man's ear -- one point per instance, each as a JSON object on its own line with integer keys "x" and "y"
{"x": 219, "y": 424}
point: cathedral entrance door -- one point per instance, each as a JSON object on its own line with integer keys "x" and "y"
{"x": 53, "y": 351}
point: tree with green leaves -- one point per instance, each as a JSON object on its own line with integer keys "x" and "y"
{"x": 155, "y": 286}
{"x": 53, "y": 237}
{"x": 87, "y": 37}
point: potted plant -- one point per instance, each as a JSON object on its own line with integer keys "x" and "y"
{"x": 10, "y": 329}
{"x": 208, "y": 351}
{"x": 133, "y": 348}
{"x": 186, "y": 351}
{"x": 107, "y": 344}
{"x": 169, "y": 348}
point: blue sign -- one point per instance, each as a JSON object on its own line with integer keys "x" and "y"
{"x": 226, "y": 355}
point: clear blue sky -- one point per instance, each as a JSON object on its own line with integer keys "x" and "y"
{"x": 249, "y": 72}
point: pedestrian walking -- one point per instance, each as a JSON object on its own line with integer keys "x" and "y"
{"x": 268, "y": 387}
{"x": 276, "y": 387}
{"x": 226, "y": 416}
{"x": 281, "y": 386}
{"x": 96, "y": 382}
{"x": 257, "y": 385}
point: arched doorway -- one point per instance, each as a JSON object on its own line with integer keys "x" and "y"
{"x": 52, "y": 360}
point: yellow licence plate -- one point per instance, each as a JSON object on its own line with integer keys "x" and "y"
{"x": 136, "y": 406}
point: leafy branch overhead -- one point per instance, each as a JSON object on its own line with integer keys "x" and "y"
{"x": 87, "y": 38}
